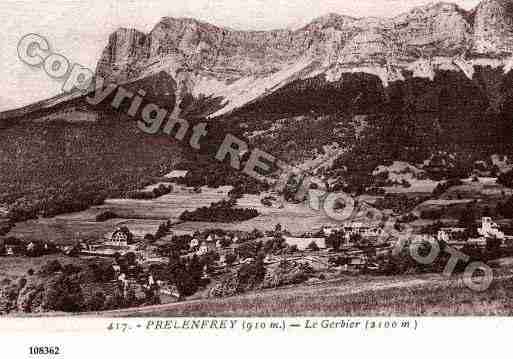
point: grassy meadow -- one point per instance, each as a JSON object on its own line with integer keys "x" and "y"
{"x": 411, "y": 295}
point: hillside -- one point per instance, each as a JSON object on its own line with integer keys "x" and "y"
{"x": 338, "y": 97}
{"x": 436, "y": 78}
{"x": 54, "y": 168}
{"x": 413, "y": 295}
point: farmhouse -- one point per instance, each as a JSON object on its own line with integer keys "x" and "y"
{"x": 121, "y": 242}
{"x": 121, "y": 237}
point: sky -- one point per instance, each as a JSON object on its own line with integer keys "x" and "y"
{"x": 79, "y": 29}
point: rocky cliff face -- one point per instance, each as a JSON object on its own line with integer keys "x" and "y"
{"x": 240, "y": 67}
{"x": 125, "y": 48}
{"x": 493, "y": 27}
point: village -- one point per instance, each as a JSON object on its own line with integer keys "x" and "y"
{"x": 140, "y": 265}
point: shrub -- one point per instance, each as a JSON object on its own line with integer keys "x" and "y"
{"x": 157, "y": 192}
{"x": 70, "y": 269}
{"x": 441, "y": 188}
{"x": 236, "y": 192}
{"x": 102, "y": 272}
{"x": 293, "y": 249}
{"x": 493, "y": 245}
{"x": 150, "y": 238}
{"x": 505, "y": 209}
{"x": 22, "y": 282}
{"x": 313, "y": 246}
{"x": 468, "y": 219}
{"x": 162, "y": 190}
{"x": 50, "y": 268}
{"x": 249, "y": 250}
{"x": 408, "y": 218}
{"x": 5, "y": 228}
{"x": 335, "y": 240}
{"x": 114, "y": 301}
{"x": 275, "y": 245}
{"x": 266, "y": 202}
{"x": 506, "y": 179}
{"x": 288, "y": 273}
{"x": 432, "y": 214}
{"x": 163, "y": 230}
{"x": 105, "y": 216}
{"x": 63, "y": 293}
{"x": 230, "y": 258}
{"x": 141, "y": 195}
{"x": 96, "y": 303}
{"x": 250, "y": 275}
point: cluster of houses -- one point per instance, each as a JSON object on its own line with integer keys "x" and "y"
{"x": 372, "y": 233}
{"x": 122, "y": 242}
{"x": 212, "y": 242}
{"x": 458, "y": 235}
{"x": 16, "y": 247}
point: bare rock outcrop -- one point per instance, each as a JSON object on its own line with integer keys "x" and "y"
{"x": 493, "y": 28}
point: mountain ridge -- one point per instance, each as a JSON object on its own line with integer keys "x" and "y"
{"x": 210, "y": 61}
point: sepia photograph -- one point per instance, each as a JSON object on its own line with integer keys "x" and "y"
{"x": 262, "y": 159}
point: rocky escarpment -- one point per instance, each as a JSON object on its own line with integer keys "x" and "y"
{"x": 239, "y": 67}
{"x": 189, "y": 44}
{"x": 125, "y": 48}
{"x": 493, "y": 28}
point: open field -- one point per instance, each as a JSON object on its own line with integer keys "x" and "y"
{"x": 140, "y": 216}
{"x": 144, "y": 216}
{"x": 482, "y": 196}
{"x": 296, "y": 218}
{"x": 169, "y": 206}
{"x": 61, "y": 231}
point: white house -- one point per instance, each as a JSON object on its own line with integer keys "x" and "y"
{"x": 443, "y": 236}
{"x": 119, "y": 238}
{"x": 490, "y": 229}
{"x": 203, "y": 249}
{"x": 31, "y": 247}
{"x": 194, "y": 243}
